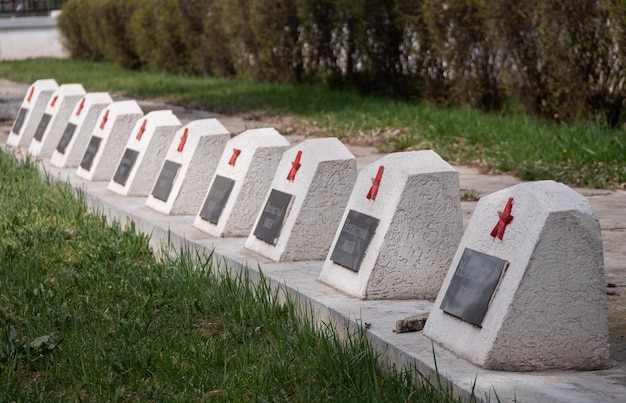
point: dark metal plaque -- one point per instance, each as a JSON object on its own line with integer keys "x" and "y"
{"x": 216, "y": 199}
{"x": 355, "y": 237}
{"x": 19, "y": 120}
{"x": 66, "y": 138}
{"x": 273, "y": 217}
{"x": 165, "y": 181}
{"x": 43, "y": 125}
{"x": 472, "y": 286}
{"x": 126, "y": 165}
{"x": 90, "y": 153}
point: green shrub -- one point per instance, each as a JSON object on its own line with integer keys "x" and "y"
{"x": 471, "y": 60}
{"x": 262, "y": 37}
{"x": 73, "y": 23}
{"x": 559, "y": 60}
{"x": 565, "y": 59}
{"x": 98, "y": 30}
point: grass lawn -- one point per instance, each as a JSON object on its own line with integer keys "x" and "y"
{"x": 577, "y": 154}
{"x": 87, "y": 313}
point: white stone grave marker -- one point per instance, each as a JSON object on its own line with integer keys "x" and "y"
{"x": 30, "y": 112}
{"x": 108, "y": 139}
{"x": 526, "y": 288}
{"x": 145, "y": 151}
{"x": 72, "y": 144}
{"x": 400, "y": 230}
{"x": 189, "y": 164}
{"x": 307, "y": 197}
{"x": 243, "y": 176}
{"x": 54, "y": 119}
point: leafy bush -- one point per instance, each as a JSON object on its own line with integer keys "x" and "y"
{"x": 97, "y": 30}
{"x": 559, "y": 60}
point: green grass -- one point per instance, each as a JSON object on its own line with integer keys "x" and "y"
{"x": 578, "y": 154}
{"x": 116, "y": 324}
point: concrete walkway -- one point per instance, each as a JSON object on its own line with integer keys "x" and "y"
{"x": 328, "y": 304}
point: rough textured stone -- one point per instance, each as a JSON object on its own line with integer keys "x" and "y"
{"x": 253, "y": 171}
{"x": 420, "y": 226}
{"x": 152, "y": 145}
{"x": 320, "y": 191}
{"x": 41, "y": 92}
{"x": 113, "y": 128}
{"x": 204, "y": 144}
{"x": 67, "y": 95}
{"x": 549, "y": 309}
{"x": 84, "y": 117}
{"x": 413, "y": 323}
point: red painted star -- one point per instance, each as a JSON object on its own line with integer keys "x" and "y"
{"x": 505, "y": 219}
{"x": 80, "y": 106}
{"x": 371, "y": 195}
{"x": 295, "y": 165}
{"x": 233, "y": 157}
{"x": 104, "y": 119}
{"x": 142, "y": 129}
{"x": 183, "y": 140}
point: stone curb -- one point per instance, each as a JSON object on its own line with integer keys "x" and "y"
{"x": 398, "y": 349}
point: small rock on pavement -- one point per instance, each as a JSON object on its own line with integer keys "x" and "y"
{"x": 413, "y": 323}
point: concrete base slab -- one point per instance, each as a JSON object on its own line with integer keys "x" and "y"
{"x": 405, "y": 348}
{"x": 412, "y": 350}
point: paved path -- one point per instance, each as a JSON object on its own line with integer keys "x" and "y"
{"x": 609, "y": 206}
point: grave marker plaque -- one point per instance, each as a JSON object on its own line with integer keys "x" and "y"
{"x": 19, "y": 120}
{"x": 216, "y": 199}
{"x": 43, "y": 125}
{"x": 188, "y": 167}
{"x": 549, "y": 308}
{"x": 164, "y": 182}
{"x": 472, "y": 286}
{"x": 31, "y": 110}
{"x": 145, "y": 154}
{"x": 59, "y": 109}
{"x": 90, "y": 153}
{"x": 107, "y": 141}
{"x": 66, "y": 138}
{"x": 273, "y": 216}
{"x": 71, "y": 145}
{"x": 126, "y": 165}
{"x": 316, "y": 177}
{"x": 402, "y": 226}
{"x": 355, "y": 236}
{"x": 249, "y": 160}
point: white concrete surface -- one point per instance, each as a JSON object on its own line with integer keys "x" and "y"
{"x": 60, "y": 107}
{"x": 35, "y": 102}
{"x": 407, "y": 350}
{"x": 320, "y": 191}
{"x": 420, "y": 225}
{"x": 197, "y": 148}
{"x": 549, "y": 309}
{"x": 30, "y": 37}
{"x": 84, "y": 118}
{"x": 151, "y": 138}
{"x": 252, "y": 170}
{"x": 113, "y": 128}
